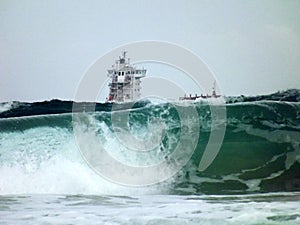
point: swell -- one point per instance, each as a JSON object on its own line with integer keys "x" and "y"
{"x": 260, "y": 151}
{"x": 56, "y": 106}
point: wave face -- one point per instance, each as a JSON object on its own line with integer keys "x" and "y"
{"x": 260, "y": 151}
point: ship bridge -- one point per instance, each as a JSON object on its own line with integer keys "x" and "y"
{"x": 125, "y": 81}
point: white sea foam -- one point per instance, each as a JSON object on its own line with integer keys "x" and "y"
{"x": 275, "y": 209}
{"x": 46, "y": 160}
{"x": 5, "y": 106}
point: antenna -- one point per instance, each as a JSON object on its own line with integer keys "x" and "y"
{"x": 214, "y": 89}
{"x": 124, "y": 54}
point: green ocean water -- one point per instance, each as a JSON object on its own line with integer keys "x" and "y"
{"x": 256, "y": 173}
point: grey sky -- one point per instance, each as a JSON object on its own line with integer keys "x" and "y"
{"x": 253, "y": 47}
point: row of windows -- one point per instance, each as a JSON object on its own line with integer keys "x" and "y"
{"x": 122, "y": 73}
{"x": 138, "y": 89}
{"x": 128, "y": 72}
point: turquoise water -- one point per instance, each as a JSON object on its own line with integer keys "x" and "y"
{"x": 254, "y": 179}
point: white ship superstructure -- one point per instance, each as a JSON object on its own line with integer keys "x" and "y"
{"x": 125, "y": 84}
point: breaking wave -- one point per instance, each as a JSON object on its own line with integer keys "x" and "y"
{"x": 260, "y": 151}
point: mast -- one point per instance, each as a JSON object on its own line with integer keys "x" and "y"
{"x": 214, "y": 89}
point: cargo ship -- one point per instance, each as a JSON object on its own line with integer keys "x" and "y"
{"x": 125, "y": 81}
{"x": 196, "y": 97}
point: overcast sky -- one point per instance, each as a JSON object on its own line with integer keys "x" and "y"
{"x": 252, "y": 47}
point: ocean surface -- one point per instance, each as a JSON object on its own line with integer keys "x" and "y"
{"x": 254, "y": 178}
